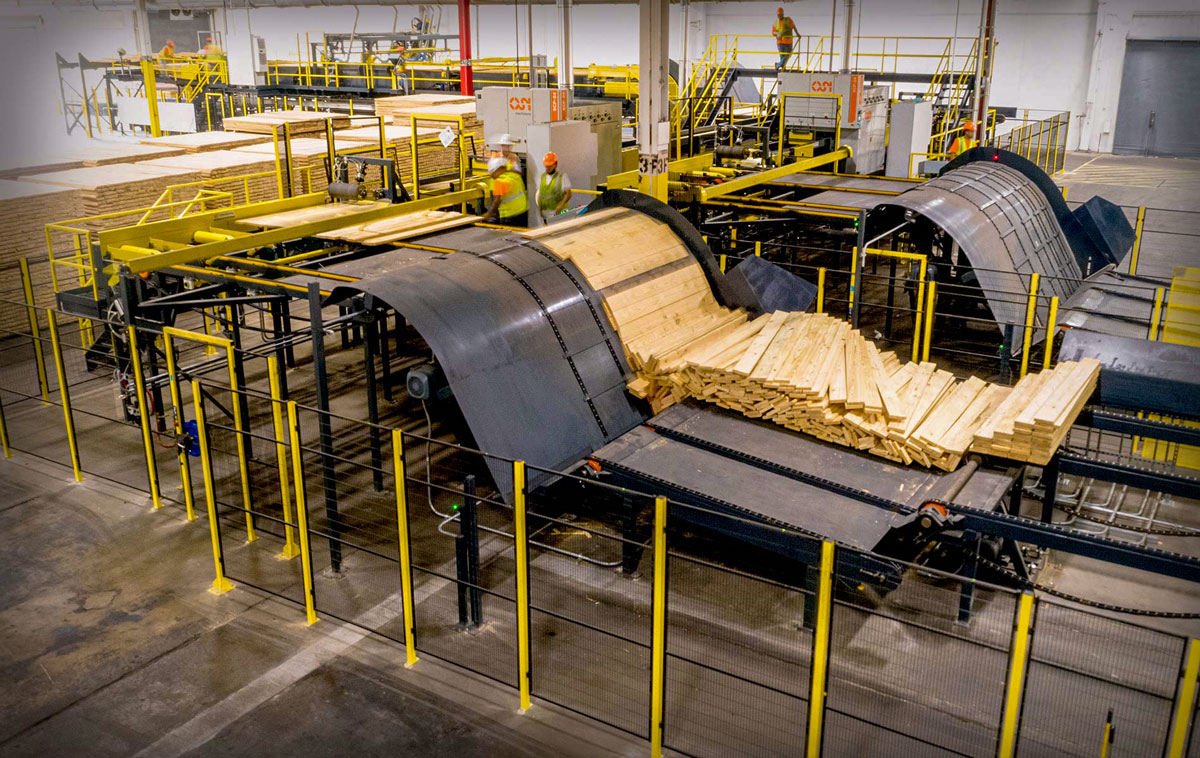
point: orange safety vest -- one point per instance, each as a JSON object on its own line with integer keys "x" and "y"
{"x": 782, "y": 30}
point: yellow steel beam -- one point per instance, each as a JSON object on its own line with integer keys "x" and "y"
{"x": 751, "y": 180}
{"x": 220, "y": 584}
{"x": 406, "y": 586}
{"x": 1185, "y": 699}
{"x": 1018, "y": 664}
{"x": 310, "y": 599}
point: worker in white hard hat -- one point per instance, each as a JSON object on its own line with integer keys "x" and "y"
{"x": 554, "y": 189}
{"x": 503, "y": 145}
{"x": 510, "y": 204}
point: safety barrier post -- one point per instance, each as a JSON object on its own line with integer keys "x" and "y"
{"x": 1185, "y": 699}
{"x": 916, "y": 346}
{"x": 521, "y": 539}
{"x": 285, "y": 496}
{"x": 1137, "y": 241}
{"x": 220, "y": 584}
{"x": 402, "y": 535}
{"x": 1107, "y": 741}
{"x": 240, "y": 432}
{"x": 35, "y": 331}
{"x": 930, "y": 299}
{"x": 1030, "y": 312}
{"x": 821, "y": 290}
{"x": 64, "y": 395}
{"x": 1051, "y": 328}
{"x": 658, "y": 638}
{"x": 185, "y": 469}
{"x": 1017, "y": 665}
{"x": 758, "y": 248}
{"x": 310, "y": 599}
{"x": 819, "y": 672}
{"x": 4, "y": 432}
{"x": 135, "y": 359}
{"x": 1156, "y": 314}
{"x": 723, "y": 262}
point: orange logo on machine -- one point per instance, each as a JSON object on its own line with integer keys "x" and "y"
{"x": 822, "y": 86}
{"x": 519, "y": 104}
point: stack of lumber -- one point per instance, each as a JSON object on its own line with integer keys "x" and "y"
{"x": 26, "y": 208}
{"x": 221, "y": 169}
{"x": 432, "y": 117}
{"x": 390, "y": 230}
{"x": 308, "y": 160}
{"x": 807, "y": 372}
{"x": 313, "y": 213}
{"x": 87, "y": 153}
{"x": 102, "y": 153}
{"x": 395, "y": 110}
{"x": 20, "y": 164}
{"x": 203, "y": 142}
{"x": 1036, "y": 417}
{"x": 301, "y": 122}
{"x": 109, "y": 189}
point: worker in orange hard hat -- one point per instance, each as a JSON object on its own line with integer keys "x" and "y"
{"x": 554, "y": 189}
{"x": 784, "y": 32}
{"x": 964, "y": 141}
{"x": 168, "y": 50}
{"x": 211, "y": 49}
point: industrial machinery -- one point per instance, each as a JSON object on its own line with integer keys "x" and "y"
{"x": 345, "y": 189}
{"x": 837, "y": 109}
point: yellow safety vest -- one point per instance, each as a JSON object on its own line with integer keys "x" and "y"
{"x": 782, "y": 30}
{"x": 550, "y": 191}
{"x": 513, "y": 202}
{"x": 962, "y": 144}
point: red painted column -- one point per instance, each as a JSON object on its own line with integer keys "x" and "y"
{"x": 464, "y": 47}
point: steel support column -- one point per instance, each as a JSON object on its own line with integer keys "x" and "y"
{"x": 465, "y": 72}
{"x": 566, "y": 74}
{"x": 653, "y": 122}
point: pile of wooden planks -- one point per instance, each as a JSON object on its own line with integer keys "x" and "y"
{"x": 390, "y": 230}
{"x": 396, "y": 109}
{"x": 249, "y": 176}
{"x": 85, "y": 153}
{"x": 308, "y": 161}
{"x": 301, "y": 122}
{"x": 26, "y": 208}
{"x": 435, "y": 117}
{"x": 102, "y": 190}
{"x": 105, "y": 153}
{"x": 1037, "y": 416}
{"x": 203, "y": 142}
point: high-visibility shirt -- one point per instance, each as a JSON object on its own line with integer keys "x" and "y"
{"x": 783, "y": 29}
{"x": 166, "y": 52}
{"x": 551, "y": 190}
{"x": 962, "y": 144}
{"x": 510, "y": 188}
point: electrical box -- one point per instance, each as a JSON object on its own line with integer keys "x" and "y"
{"x": 869, "y": 140}
{"x": 515, "y": 109}
{"x": 912, "y": 126}
{"x": 260, "y": 55}
{"x": 820, "y": 110}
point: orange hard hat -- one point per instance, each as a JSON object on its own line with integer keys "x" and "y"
{"x": 779, "y": 11}
{"x": 170, "y": 43}
{"x": 969, "y": 126}
{"x": 550, "y": 159}
{"x": 208, "y": 39}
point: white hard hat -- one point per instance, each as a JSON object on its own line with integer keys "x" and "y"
{"x": 496, "y": 163}
{"x": 505, "y": 139}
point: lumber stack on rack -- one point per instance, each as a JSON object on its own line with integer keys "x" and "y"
{"x": 434, "y": 159}
{"x": 109, "y": 189}
{"x": 249, "y": 176}
{"x": 26, "y": 208}
{"x": 308, "y": 161}
{"x": 302, "y": 122}
{"x": 203, "y": 142}
{"x": 101, "y": 153}
{"x": 432, "y": 117}
{"x": 396, "y": 109}
{"x": 390, "y": 230}
{"x": 90, "y": 153}
{"x": 1038, "y": 415}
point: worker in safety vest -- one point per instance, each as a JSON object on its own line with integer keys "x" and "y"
{"x": 510, "y": 205}
{"x": 503, "y": 145}
{"x": 168, "y": 50}
{"x": 964, "y": 141}
{"x": 554, "y": 189}
{"x": 211, "y": 49}
{"x": 784, "y": 32}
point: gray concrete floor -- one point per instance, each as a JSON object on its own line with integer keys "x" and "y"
{"x": 112, "y": 647}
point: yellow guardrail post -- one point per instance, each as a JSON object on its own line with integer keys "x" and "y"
{"x": 1137, "y": 240}
{"x": 35, "y": 331}
{"x": 64, "y": 395}
{"x": 916, "y": 347}
{"x": 1107, "y": 741}
{"x": 521, "y": 540}
{"x": 724, "y": 260}
{"x": 658, "y": 638}
{"x": 819, "y": 672}
{"x": 930, "y": 299}
{"x": 758, "y": 248}
{"x": 281, "y": 461}
{"x": 1156, "y": 314}
{"x": 1185, "y": 700}
{"x": 185, "y": 469}
{"x": 239, "y": 425}
{"x": 4, "y": 433}
{"x": 150, "y": 87}
{"x": 402, "y": 535}
{"x": 1017, "y": 664}
{"x": 310, "y": 600}
{"x": 1030, "y": 312}
{"x": 1051, "y": 328}
{"x": 220, "y": 584}
{"x": 135, "y": 359}
{"x": 821, "y": 290}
